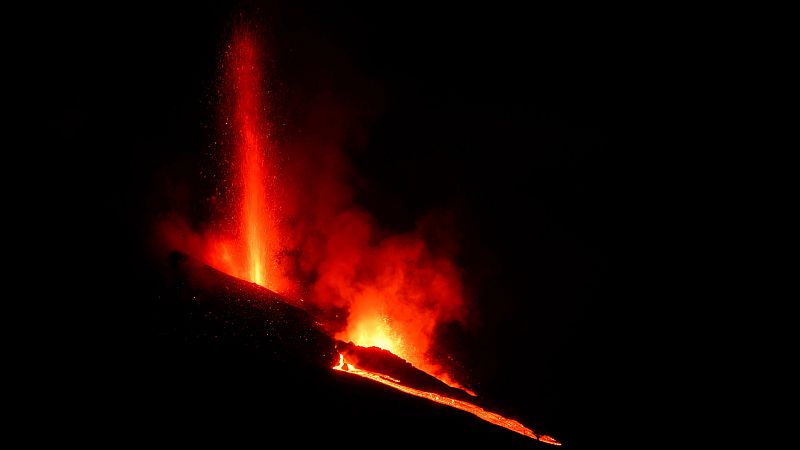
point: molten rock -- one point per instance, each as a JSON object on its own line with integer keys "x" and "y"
{"x": 387, "y": 363}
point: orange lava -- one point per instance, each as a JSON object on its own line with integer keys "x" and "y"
{"x": 250, "y": 147}
{"x": 398, "y": 291}
{"x": 252, "y": 253}
{"x": 395, "y": 288}
{"x": 488, "y": 416}
{"x": 371, "y": 329}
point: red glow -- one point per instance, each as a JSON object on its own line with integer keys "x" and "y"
{"x": 488, "y": 416}
{"x": 372, "y": 288}
{"x": 253, "y": 251}
{"x": 398, "y": 292}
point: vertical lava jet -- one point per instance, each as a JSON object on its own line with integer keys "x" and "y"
{"x": 250, "y": 144}
{"x": 253, "y": 253}
{"x": 251, "y": 138}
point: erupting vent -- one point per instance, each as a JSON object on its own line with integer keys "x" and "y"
{"x": 253, "y": 253}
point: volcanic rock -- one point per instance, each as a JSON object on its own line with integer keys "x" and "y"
{"x": 211, "y": 308}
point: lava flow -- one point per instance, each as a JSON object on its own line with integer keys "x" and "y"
{"x": 488, "y": 416}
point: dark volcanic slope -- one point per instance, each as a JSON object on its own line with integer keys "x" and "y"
{"x": 211, "y": 308}
{"x": 233, "y": 362}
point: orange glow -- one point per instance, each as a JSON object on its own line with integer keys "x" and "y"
{"x": 252, "y": 254}
{"x": 341, "y": 362}
{"x": 396, "y": 289}
{"x": 397, "y": 292}
{"x": 488, "y": 416}
{"x": 375, "y": 330}
{"x": 250, "y": 147}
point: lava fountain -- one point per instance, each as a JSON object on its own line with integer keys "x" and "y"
{"x": 254, "y": 250}
{"x": 250, "y": 145}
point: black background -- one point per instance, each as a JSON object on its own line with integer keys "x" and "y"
{"x": 550, "y": 132}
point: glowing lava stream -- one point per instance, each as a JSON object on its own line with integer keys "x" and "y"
{"x": 490, "y": 417}
{"x": 373, "y": 330}
{"x": 251, "y": 140}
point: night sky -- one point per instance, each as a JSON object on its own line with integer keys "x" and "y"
{"x": 542, "y": 130}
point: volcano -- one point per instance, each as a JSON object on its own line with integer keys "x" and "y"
{"x": 399, "y": 115}
{"x": 372, "y": 301}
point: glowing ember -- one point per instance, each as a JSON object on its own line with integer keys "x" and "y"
{"x": 250, "y": 147}
{"x": 488, "y": 416}
{"x": 253, "y": 254}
